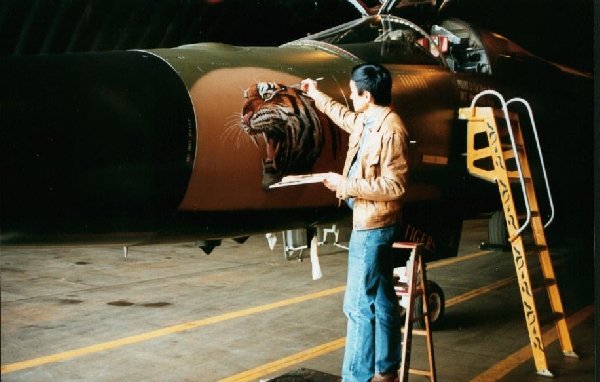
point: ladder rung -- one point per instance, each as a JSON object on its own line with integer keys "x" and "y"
{"x": 553, "y": 317}
{"x": 517, "y": 180}
{"x": 534, "y": 214}
{"x": 419, "y": 332}
{"x": 547, "y": 283}
{"x": 507, "y": 146}
{"x": 535, "y": 249}
{"x": 400, "y": 290}
{"x": 557, "y": 316}
{"x": 419, "y": 372}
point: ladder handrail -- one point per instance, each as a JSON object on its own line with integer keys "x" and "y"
{"x": 487, "y": 121}
{"x": 514, "y": 148}
{"x": 539, "y": 149}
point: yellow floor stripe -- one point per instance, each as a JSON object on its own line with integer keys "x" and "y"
{"x": 443, "y": 263}
{"x": 256, "y": 373}
{"x": 505, "y": 366}
{"x": 195, "y": 324}
{"x": 479, "y": 291}
{"x": 162, "y": 332}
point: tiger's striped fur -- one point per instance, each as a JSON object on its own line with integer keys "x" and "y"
{"x": 288, "y": 123}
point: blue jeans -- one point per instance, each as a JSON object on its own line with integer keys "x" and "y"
{"x": 370, "y": 303}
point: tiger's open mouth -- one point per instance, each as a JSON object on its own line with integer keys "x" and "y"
{"x": 273, "y": 146}
{"x": 271, "y": 141}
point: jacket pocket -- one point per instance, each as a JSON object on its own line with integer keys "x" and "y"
{"x": 372, "y": 158}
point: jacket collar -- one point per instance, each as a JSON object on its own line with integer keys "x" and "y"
{"x": 382, "y": 113}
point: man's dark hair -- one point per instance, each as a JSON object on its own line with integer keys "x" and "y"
{"x": 376, "y": 80}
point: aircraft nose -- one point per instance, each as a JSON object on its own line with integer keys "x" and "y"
{"x": 122, "y": 188}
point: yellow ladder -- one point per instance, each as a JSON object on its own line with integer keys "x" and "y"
{"x": 503, "y": 160}
{"x": 414, "y": 287}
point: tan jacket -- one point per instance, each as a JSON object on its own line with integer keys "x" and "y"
{"x": 383, "y": 168}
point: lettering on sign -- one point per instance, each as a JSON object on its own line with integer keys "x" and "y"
{"x": 468, "y": 90}
{"x": 415, "y": 235}
{"x": 191, "y": 143}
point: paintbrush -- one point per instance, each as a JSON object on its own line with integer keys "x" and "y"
{"x": 299, "y": 84}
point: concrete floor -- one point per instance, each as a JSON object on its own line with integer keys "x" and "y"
{"x": 244, "y": 313}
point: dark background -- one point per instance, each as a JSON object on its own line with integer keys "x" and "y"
{"x": 559, "y": 30}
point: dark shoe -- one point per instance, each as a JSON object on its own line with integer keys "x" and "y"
{"x": 387, "y": 377}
